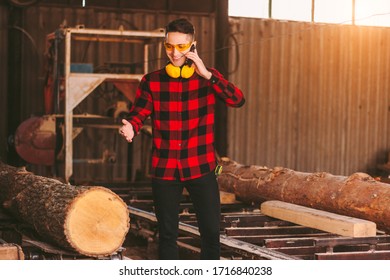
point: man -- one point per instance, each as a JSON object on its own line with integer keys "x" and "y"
{"x": 180, "y": 99}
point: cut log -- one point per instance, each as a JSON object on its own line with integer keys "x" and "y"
{"x": 90, "y": 220}
{"x": 358, "y": 195}
{"x": 319, "y": 219}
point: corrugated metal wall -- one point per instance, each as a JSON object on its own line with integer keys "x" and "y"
{"x": 3, "y": 78}
{"x": 317, "y": 96}
{"x": 90, "y": 144}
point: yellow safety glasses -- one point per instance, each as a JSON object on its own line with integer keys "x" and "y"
{"x": 179, "y": 47}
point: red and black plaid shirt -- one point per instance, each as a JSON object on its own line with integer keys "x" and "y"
{"x": 182, "y": 112}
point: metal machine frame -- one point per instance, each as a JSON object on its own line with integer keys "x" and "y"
{"x": 79, "y": 85}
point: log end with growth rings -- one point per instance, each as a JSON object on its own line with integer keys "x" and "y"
{"x": 97, "y": 222}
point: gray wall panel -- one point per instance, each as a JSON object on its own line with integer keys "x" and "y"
{"x": 317, "y": 96}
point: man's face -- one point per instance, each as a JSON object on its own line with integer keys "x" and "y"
{"x": 176, "y": 46}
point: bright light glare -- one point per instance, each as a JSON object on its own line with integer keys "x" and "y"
{"x": 372, "y": 12}
{"x": 367, "y": 12}
{"x": 299, "y": 10}
{"x": 248, "y": 8}
{"x": 333, "y": 11}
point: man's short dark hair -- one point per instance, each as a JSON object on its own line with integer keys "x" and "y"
{"x": 181, "y": 25}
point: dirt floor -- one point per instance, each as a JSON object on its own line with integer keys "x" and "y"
{"x": 138, "y": 248}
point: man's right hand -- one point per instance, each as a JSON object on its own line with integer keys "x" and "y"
{"x": 127, "y": 130}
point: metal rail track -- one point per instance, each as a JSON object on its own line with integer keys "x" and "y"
{"x": 240, "y": 247}
{"x": 246, "y": 233}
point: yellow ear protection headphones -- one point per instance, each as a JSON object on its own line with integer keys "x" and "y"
{"x": 184, "y": 71}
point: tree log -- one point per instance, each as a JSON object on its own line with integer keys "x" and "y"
{"x": 90, "y": 220}
{"x": 358, "y": 195}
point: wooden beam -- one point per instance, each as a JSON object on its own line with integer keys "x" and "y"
{"x": 222, "y": 31}
{"x": 227, "y": 198}
{"x": 326, "y": 221}
{"x": 11, "y": 252}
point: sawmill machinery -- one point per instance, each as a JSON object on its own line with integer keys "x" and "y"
{"x": 48, "y": 139}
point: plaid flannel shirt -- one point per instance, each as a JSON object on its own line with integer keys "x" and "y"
{"x": 182, "y": 112}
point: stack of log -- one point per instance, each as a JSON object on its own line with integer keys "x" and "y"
{"x": 90, "y": 220}
{"x": 358, "y": 195}
{"x": 94, "y": 221}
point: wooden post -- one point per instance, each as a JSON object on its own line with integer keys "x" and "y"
{"x": 222, "y": 30}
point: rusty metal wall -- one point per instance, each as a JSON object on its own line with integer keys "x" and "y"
{"x": 41, "y": 20}
{"x": 3, "y": 78}
{"x": 317, "y": 95}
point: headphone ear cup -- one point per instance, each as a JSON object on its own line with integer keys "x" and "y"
{"x": 187, "y": 71}
{"x": 172, "y": 70}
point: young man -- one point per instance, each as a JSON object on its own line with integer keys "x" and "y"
{"x": 180, "y": 99}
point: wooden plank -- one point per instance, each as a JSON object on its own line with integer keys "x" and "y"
{"x": 326, "y": 221}
{"x": 11, "y": 252}
{"x": 227, "y": 198}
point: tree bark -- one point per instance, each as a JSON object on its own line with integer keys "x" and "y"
{"x": 91, "y": 220}
{"x": 358, "y": 195}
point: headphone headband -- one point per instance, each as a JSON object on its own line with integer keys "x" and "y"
{"x": 184, "y": 71}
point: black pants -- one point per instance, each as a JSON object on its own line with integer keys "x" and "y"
{"x": 204, "y": 194}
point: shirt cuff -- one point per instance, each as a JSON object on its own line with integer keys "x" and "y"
{"x": 213, "y": 79}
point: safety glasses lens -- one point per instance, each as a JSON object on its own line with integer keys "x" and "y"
{"x": 179, "y": 47}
